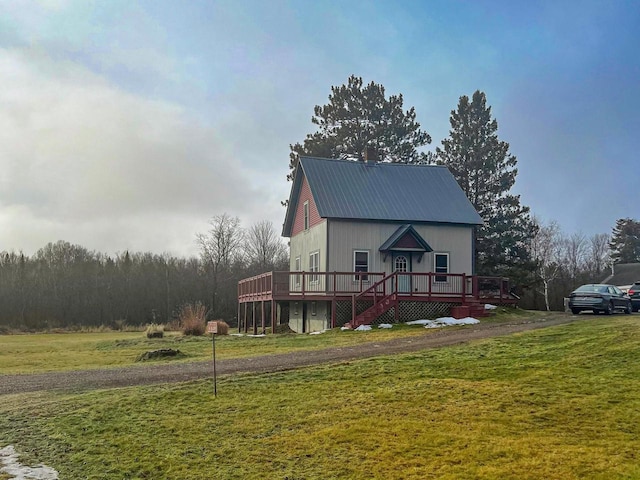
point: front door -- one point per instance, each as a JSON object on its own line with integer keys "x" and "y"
{"x": 401, "y": 264}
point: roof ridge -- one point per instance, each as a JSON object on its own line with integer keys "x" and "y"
{"x": 385, "y": 164}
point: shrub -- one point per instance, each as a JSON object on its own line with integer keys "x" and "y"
{"x": 155, "y": 331}
{"x": 192, "y": 319}
{"x": 223, "y": 327}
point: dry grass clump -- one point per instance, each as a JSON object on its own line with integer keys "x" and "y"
{"x": 154, "y": 330}
{"x": 192, "y": 318}
{"x": 223, "y": 327}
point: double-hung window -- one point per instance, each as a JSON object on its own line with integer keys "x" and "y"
{"x": 314, "y": 265}
{"x": 441, "y": 263}
{"x": 361, "y": 264}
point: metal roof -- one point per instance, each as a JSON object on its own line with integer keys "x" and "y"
{"x": 624, "y": 274}
{"x": 360, "y": 190}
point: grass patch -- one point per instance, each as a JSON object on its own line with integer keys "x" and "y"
{"x": 44, "y": 352}
{"x": 560, "y": 402}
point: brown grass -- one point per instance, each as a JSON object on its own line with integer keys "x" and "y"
{"x": 192, "y": 319}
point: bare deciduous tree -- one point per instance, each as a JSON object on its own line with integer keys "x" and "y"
{"x": 598, "y": 256}
{"x": 575, "y": 253}
{"x": 264, "y": 247}
{"x": 220, "y": 248}
{"x": 546, "y": 248}
{"x": 221, "y": 245}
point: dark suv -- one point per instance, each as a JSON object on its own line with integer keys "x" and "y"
{"x": 634, "y": 295}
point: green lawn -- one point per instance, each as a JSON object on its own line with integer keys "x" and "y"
{"x": 557, "y": 403}
{"x": 44, "y": 352}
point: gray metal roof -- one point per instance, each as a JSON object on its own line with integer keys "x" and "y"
{"x": 359, "y": 190}
{"x": 624, "y": 274}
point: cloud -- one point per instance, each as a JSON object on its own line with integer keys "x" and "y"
{"x": 87, "y": 162}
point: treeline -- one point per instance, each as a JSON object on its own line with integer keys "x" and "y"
{"x": 66, "y": 286}
{"x": 564, "y": 262}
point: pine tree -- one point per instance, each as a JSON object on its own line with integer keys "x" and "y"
{"x": 485, "y": 170}
{"x": 625, "y": 241}
{"x": 360, "y": 116}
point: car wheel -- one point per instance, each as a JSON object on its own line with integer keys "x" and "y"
{"x": 634, "y": 309}
{"x": 575, "y": 311}
{"x": 609, "y": 309}
{"x": 628, "y": 308}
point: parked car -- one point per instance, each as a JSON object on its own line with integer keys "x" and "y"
{"x": 634, "y": 295}
{"x": 599, "y": 298}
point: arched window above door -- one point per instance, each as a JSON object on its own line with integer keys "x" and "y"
{"x": 400, "y": 263}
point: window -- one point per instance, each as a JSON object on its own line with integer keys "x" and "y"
{"x": 314, "y": 265}
{"x": 295, "y": 308}
{"x": 298, "y": 268}
{"x": 441, "y": 262}
{"x": 306, "y": 215}
{"x": 361, "y": 264}
{"x": 313, "y": 308}
{"x": 400, "y": 263}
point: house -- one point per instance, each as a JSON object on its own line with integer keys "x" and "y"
{"x": 623, "y": 275}
{"x": 372, "y": 241}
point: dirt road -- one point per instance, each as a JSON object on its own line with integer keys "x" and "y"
{"x": 181, "y": 372}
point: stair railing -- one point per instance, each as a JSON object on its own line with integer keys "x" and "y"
{"x": 374, "y": 289}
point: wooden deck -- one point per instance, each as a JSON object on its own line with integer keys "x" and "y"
{"x": 450, "y": 287}
{"x": 383, "y": 291}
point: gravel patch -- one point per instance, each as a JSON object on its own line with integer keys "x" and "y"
{"x": 182, "y": 372}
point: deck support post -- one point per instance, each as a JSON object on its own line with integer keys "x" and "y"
{"x": 396, "y": 310}
{"x": 353, "y": 309}
{"x": 254, "y": 324}
{"x": 333, "y": 312}
{"x": 464, "y": 288}
{"x": 274, "y": 315}
{"x": 262, "y": 316}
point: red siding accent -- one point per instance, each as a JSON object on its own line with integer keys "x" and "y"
{"x": 407, "y": 241}
{"x": 314, "y": 216}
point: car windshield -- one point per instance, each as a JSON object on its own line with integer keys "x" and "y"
{"x": 592, "y": 289}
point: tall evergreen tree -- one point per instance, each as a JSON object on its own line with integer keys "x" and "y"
{"x": 360, "y": 116}
{"x": 486, "y": 171}
{"x": 625, "y": 241}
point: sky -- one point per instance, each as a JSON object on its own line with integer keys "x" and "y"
{"x": 129, "y": 125}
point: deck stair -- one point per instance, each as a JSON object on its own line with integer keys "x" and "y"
{"x": 477, "y": 309}
{"x": 384, "y": 295}
{"x": 382, "y": 305}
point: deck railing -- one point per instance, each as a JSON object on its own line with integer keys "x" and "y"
{"x": 282, "y": 285}
{"x": 285, "y": 284}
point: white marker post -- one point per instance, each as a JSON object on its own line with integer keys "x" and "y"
{"x": 212, "y": 328}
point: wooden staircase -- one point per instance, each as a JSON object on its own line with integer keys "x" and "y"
{"x": 382, "y": 305}
{"x": 384, "y": 297}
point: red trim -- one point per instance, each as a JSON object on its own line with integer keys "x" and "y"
{"x": 340, "y": 285}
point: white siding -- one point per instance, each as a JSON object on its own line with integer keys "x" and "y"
{"x": 347, "y": 236}
{"x": 315, "y": 323}
{"x": 306, "y": 242}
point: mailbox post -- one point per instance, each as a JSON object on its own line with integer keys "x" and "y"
{"x": 212, "y": 328}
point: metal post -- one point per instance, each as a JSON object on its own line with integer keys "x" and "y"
{"x": 215, "y": 379}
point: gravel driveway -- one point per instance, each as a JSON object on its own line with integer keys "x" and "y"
{"x": 181, "y": 372}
